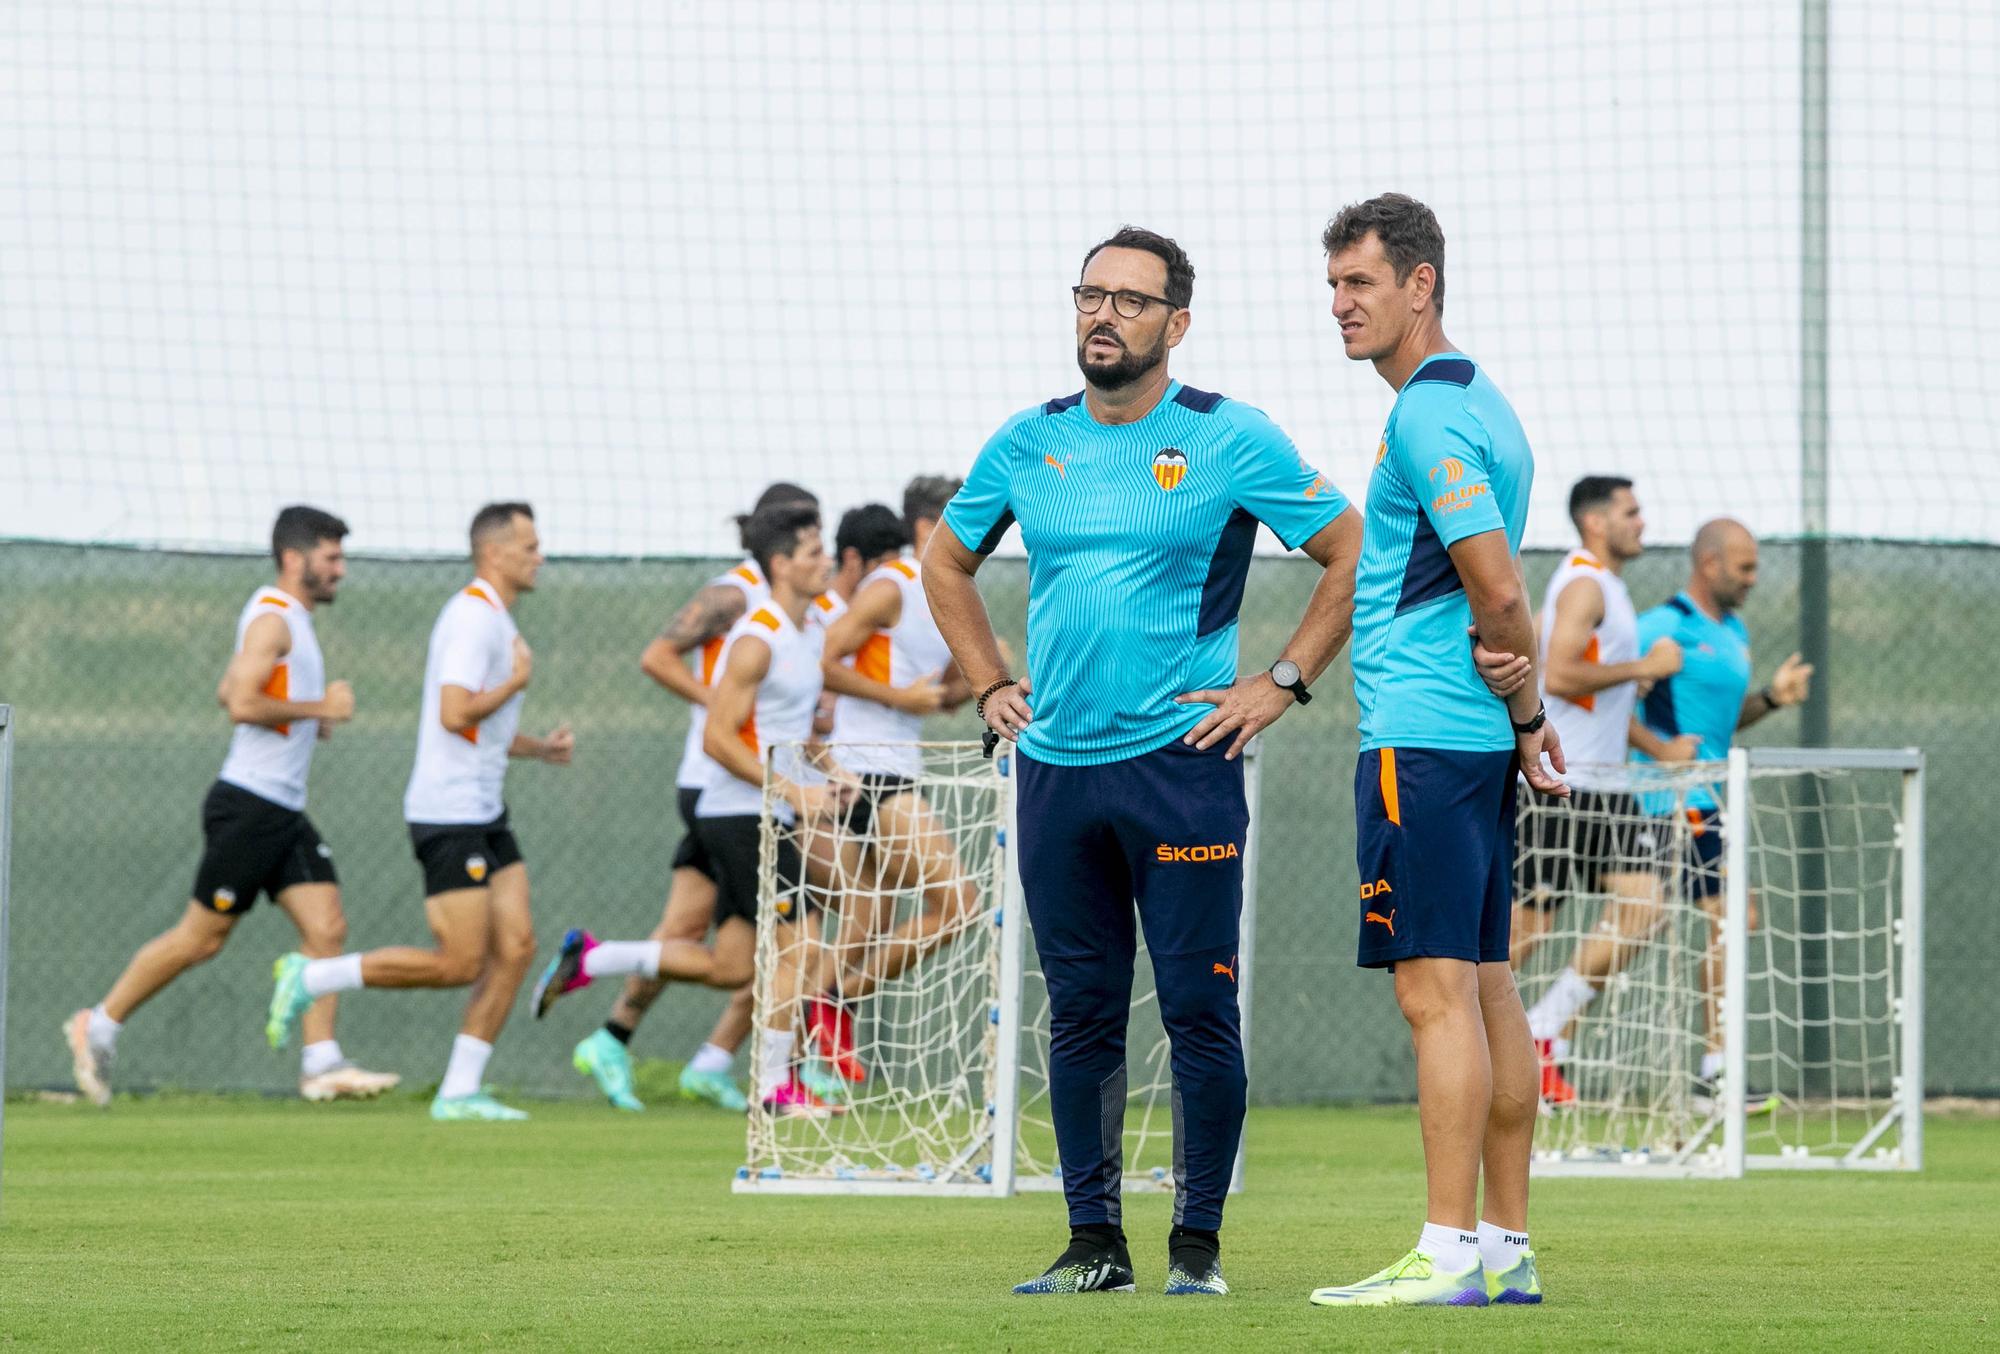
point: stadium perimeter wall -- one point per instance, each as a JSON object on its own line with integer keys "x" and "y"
{"x": 110, "y": 658}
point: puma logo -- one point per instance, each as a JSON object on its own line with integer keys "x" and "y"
{"x": 1388, "y": 921}
{"x": 1060, "y": 469}
{"x": 1228, "y": 970}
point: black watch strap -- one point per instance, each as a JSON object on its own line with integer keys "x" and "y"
{"x": 1297, "y": 686}
{"x": 1541, "y": 718}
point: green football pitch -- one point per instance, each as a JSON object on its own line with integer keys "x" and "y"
{"x": 192, "y": 1222}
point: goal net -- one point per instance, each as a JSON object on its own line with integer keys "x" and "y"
{"x": 1727, "y": 961}
{"x": 913, "y": 913}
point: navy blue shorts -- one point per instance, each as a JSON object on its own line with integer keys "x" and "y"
{"x": 1704, "y": 863}
{"x": 1434, "y": 837}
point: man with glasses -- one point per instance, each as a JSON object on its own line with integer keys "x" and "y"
{"x": 1138, "y": 500}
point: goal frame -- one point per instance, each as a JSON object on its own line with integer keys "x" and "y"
{"x": 1905, "y": 1110}
{"x": 6, "y": 870}
{"x": 1007, "y": 1001}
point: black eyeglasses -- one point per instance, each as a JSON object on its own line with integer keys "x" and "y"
{"x": 1130, "y": 304}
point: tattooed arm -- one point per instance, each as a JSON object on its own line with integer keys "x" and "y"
{"x": 707, "y": 616}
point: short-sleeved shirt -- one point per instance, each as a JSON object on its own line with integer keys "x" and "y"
{"x": 1453, "y": 463}
{"x": 1139, "y": 538}
{"x": 458, "y": 777}
{"x": 1705, "y": 697}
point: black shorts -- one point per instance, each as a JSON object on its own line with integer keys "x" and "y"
{"x": 1704, "y": 853}
{"x": 250, "y": 845}
{"x": 876, "y": 786}
{"x": 1569, "y": 845}
{"x": 462, "y": 855}
{"x": 732, "y": 847}
{"x": 691, "y": 854}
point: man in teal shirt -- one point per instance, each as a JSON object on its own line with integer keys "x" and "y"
{"x": 1139, "y": 500}
{"x": 1434, "y": 791}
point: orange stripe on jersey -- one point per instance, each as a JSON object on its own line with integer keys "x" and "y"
{"x": 272, "y": 599}
{"x": 480, "y": 593}
{"x": 871, "y": 660}
{"x": 280, "y": 688}
{"x": 902, "y": 568}
{"x": 711, "y": 654}
{"x": 823, "y": 602}
{"x": 747, "y": 574}
{"x": 765, "y": 619}
{"x": 1583, "y": 562}
{"x": 748, "y": 733}
{"x": 1392, "y": 803}
{"x": 1588, "y": 701}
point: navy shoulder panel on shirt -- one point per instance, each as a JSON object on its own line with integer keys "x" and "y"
{"x": 1453, "y": 371}
{"x": 1056, "y": 406}
{"x": 1201, "y": 401}
{"x": 1679, "y": 605}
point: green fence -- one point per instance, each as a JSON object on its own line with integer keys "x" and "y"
{"x": 110, "y": 659}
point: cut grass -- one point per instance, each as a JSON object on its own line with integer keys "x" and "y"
{"x": 191, "y": 1222}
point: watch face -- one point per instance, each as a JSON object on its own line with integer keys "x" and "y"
{"x": 1285, "y": 672}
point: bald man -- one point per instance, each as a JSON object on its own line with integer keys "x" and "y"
{"x": 1709, "y": 699}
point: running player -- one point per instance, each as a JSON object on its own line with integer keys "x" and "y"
{"x": 1139, "y": 500}
{"x": 891, "y": 668}
{"x": 1706, "y": 701}
{"x": 699, "y": 627}
{"x": 1435, "y": 785}
{"x": 254, "y": 825}
{"x": 764, "y": 697}
{"x": 475, "y": 881}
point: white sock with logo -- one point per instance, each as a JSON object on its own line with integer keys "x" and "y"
{"x": 638, "y": 957}
{"x": 777, "y": 1069}
{"x": 467, "y": 1066}
{"x": 1567, "y": 995}
{"x": 320, "y": 1058}
{"x": 711, "y": 1058}
{"x": 1499, "y": 1249}
{"x": 103, "y": 1034}
{"x": 332, "y": 975}
{"x": 1453, "y": 1250}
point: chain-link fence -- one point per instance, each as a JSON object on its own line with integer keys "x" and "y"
{"x": 111, "y": 657}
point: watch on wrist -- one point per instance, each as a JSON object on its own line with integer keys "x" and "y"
{"x": 1532, "y": 725}
{"x": 1285, "y": 673}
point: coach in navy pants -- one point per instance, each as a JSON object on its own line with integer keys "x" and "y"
{"x": 1139, "y": 500}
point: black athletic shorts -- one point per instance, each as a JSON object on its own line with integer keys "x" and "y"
{"x": 732, "y": 845}
{"x": 250, "y": 845}
{"x": 1571, "y": 844}
{"x": 876, "y": 786}
{"x": 462, "y": 855}
{"x": 691, "y": 854}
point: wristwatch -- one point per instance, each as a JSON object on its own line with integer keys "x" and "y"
{"x": 1286, "y": 674}
{"x": 1530, "y": 726}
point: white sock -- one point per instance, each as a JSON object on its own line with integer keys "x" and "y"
{"x": 1452, "y": 1250}
{"x": 321, "y": 1057}
{"x": 467, "y": 1066}
{"x": 103, "y": 1034}
{"x": 1567, "y": 995}
{"x": 712, "y": 1058}
{"x": 1711, "y": 1066}
{"x": 332, "y": 975}
{"x": 608, "y": 957}
{"x": 1499, "y": 1249}
{"x": 777, "y": 1063}
{"x": 1559, "y": 1049}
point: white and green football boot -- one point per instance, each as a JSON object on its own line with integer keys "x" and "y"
{"x": 1520, "y": 1285}
{"x": 478, "y": 1105}
{"x": 289, "y": 998}
{"x": 603, "y": 1059}
{"x": 1413, "y": 1281}
{"x": 717, "y": 1088}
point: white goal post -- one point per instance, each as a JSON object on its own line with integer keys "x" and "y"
{"x": 1807, "y": 917}
{"x": 6, "y": 870}
{"x": 955, "y": 1045}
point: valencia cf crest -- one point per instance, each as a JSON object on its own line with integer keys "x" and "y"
{"x": 476, "y": 867}
{"x": 1170, "y": 467}
{"x": 225, "y": 899}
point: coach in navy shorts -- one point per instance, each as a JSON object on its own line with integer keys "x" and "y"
{"x": 1139, "y": 500}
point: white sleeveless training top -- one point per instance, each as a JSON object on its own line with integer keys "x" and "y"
{"x": 1593, "y": 728}
{"x": 910, "y": 649}
{"x": 696, "y": 767}
{"x": 782, "y": 713}
{"x": 459, "y": 777}
{"x": 272, "y": 763}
